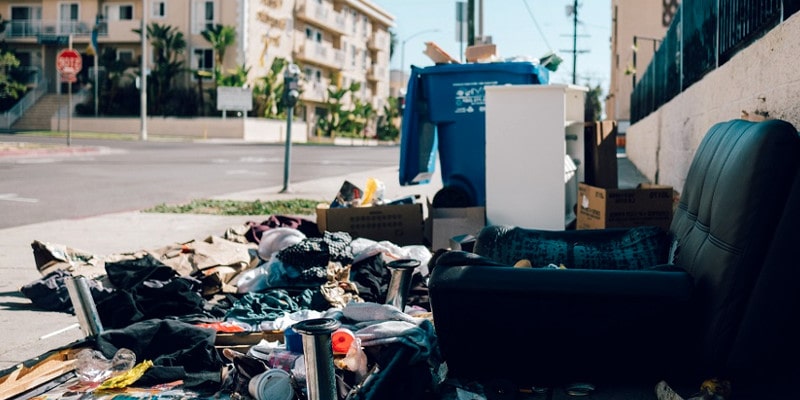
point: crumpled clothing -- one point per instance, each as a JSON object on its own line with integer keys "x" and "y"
{"x": 317, "y": 252}
{"x": 147, "y": 289}
{"x": 420, "y": 338}
{"x": 365, "y": 248}
{"x": 338, "y": 290}
{"x": 50, "y": 292}
{"x": 256, "y": 230}
{"x": 372, "y": 312}
{"x": 277, "y": 239}
{"x": 178, "y": 351}
{"x": 255, "y": 308}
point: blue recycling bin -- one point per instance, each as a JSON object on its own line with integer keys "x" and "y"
{"x": 446, "y": 112}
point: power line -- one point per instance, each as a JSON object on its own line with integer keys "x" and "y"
{"x": 535, "y": 23}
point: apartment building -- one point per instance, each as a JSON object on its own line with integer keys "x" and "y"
{"x": 332, "y": 41}
{"x": 638, "y": 26}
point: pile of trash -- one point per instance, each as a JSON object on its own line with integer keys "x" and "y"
{"x": 153, "y": 319}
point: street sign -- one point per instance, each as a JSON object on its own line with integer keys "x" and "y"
{"x": 69, "y": 61}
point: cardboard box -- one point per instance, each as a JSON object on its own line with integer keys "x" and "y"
{"x": 446, "y": 223}
{"x": 480, "y": 52}
{"x": 600, "y": 208}
{"x": 400, "y": 224}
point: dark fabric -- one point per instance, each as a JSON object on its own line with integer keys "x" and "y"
{"x": 622, "y": 248}
{"x": 371, "y": 277}
{"x": 734, "y": 194}
{"x": 172, "y": 346}
{"x": 148, "y": 289}
{"x": 398, "y": 378}
{"x": 257, "y": 229}
{"x": 317, "y": 252}
{"x": 127, "y": 274}
{"x": 255, "y": 308}
{"x": 50, "y": 292}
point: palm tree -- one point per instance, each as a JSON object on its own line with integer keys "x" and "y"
{"x": 220, "y": 37}
{"x": 168, "y": 47}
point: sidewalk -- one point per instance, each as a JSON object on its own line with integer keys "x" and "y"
{"x": 132, "y": 231}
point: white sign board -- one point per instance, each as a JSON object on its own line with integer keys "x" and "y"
{"x": 234, "y": 98}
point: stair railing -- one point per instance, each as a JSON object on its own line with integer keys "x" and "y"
{"x": 8, "y": 118}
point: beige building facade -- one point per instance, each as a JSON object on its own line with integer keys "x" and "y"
{"x": 643, "y": 22}
{"x": 334, "y": 42}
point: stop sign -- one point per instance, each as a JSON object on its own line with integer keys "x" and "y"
{"x": 69, "y": 62}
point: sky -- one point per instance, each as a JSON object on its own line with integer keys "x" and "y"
{"x": 514, "y": 31}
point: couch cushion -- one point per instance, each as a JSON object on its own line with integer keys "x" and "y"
{"x": 622, "y": 248}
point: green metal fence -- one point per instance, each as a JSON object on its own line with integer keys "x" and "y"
{"x": 702, "y": 36}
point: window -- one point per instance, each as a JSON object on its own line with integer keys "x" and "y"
{"x": 118, "y": 12}
{"x": 159, "y": 9}
{"x": 313, "y": 74}
{"x": 313, "y": 34}
{"x": 204, "y": 15}
{"x": 69, "y": 13}
{"x": 125, "y": 56}
{"x": 25, "y": 20}
{"x": 353, "y": 55}
{"x": 203, "y": 59}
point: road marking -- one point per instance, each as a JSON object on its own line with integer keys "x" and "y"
{"x": 14, "y": 197}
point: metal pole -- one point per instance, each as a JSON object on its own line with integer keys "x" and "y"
{"x": 400, "y": 283}
{"x": 82, "y": 302}
{"x": 96, "y": 82}
{"x": 143, "y": 88}
{"x": 318, "y": 353}
{"x": 69, "y": 103}
{"x": 287, "y": 155}
{"x": 635, "y": 50}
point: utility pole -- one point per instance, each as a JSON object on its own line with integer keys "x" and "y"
{"x": 574, "y": 41}
{"x": 573, "y": 12}
{"x": 470, "y": 22}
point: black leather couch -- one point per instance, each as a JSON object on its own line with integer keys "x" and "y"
{"x": 725, "y": 304}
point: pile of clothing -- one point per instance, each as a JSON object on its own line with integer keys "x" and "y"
{"x": 167, "y": 305}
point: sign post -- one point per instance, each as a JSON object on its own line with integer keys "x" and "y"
{"x": 68, "y": 64}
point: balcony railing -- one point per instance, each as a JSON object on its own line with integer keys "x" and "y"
{"x": 703, "y": 36}
{"x": 321, "y": 14}
{"x": 36, "y": 28}
{"x": 379, "y": 41}
{"x": 320, "y": 53}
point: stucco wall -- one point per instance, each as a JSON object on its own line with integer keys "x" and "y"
{"x": 763, "y": 79}
{"x": 250, "y": 129}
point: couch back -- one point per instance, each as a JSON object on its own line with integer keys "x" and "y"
{"x": 735, "y": 193}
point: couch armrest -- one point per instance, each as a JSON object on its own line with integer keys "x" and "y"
{"x": 548, "y": 326}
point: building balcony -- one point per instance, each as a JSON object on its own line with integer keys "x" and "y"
{"x": 377, "y": 73}
{"x": 320, "y": 15}
{"x": 44, "y": 31}
{"x": 314, "y": 92}
{"x": 322, "y": 54}
{"x": 379, "y": 40}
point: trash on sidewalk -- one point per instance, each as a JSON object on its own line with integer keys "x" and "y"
{"x": 182, "y": 307}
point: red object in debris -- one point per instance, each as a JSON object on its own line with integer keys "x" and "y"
{"x": 341, "y": 340}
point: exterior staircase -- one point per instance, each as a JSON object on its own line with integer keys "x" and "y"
{"x": 37, "y": 118}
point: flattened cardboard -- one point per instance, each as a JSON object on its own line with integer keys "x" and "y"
{"x": 446, "y": 223}
{"x": 399, "y": 224}
{"x": 600, "y": 208}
